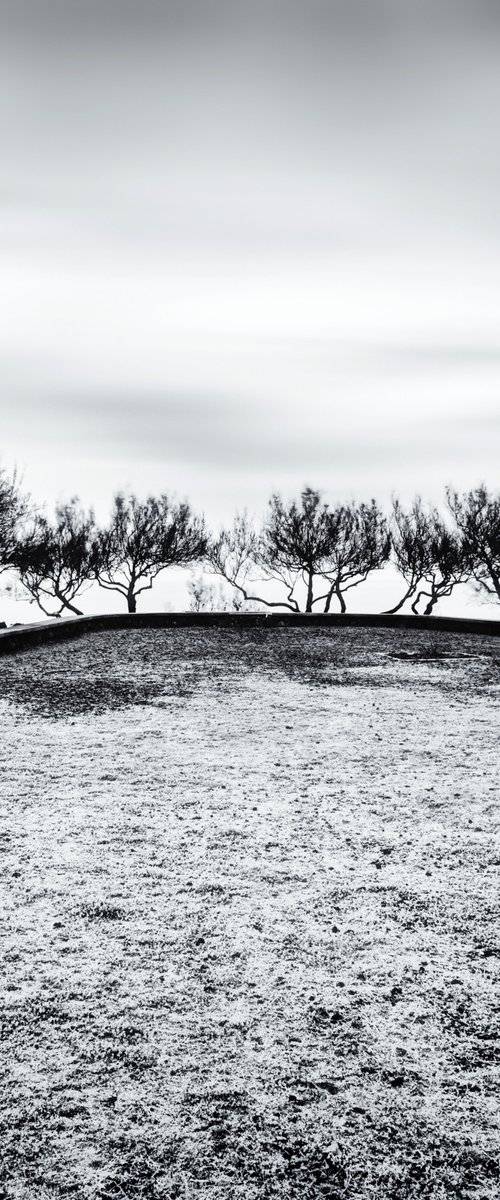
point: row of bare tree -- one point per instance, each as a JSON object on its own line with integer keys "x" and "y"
{"x": 318, "y": 553}
{"x": 305, "y": 556}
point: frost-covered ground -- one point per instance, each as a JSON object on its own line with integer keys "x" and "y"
{"x": 250, "y": 926}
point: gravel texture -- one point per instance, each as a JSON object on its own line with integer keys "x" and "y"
{"x": 250, "y": 916}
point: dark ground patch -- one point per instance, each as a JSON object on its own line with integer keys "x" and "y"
{"x": 103, "y": 670}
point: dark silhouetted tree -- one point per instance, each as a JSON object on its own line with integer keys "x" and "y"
{"x": 477, "y": 518}
{"x": 16, "y": 518}
{"x": 237, "y": 556}
{"x": 359, "y": 544}
{"x": 297, "y": 540}
{"x": 142, "y": 539}
{"x": 410, "y": 549}
{"x": 303, "y": 545}
{"x": 56, "y": 563}
{"x": 427, "y": 554}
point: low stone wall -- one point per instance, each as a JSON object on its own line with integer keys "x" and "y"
{"x": 21, "y": 637}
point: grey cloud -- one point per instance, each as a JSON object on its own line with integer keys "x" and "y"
{"x": 194, "y": 130}
{"x": 353, "y": 134}
{"x": 380, "y": 356}
{"x": 57, "y": 17}
{"x": 218, "y": 436}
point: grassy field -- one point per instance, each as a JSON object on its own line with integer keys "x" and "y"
{"x": 250, "y": 916}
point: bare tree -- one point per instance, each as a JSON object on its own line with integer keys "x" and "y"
{"x": 359, "y": 544}
{"x": 237, "y": 556}
{"x": 15, "y": 514}
{"x": 297, "y": 540}
{"x": 55, "y": 564}
{"x": 303, "y": 545}
{"x": 286, "y": 550}
{"x": 410, "y": 554}
{"x": 143, "y": 539}
{"x": 427, "y": 554}
{"x": 477, "y": 518}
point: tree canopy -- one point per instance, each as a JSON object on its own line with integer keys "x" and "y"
{"x": 427, "y": 554}
{"x": 314, "y": 552}
{"x": 57, "y": 562}
{"x": 477, "y": 517}
{"x": 15, "y": 514}
{"x": 142, "y": 539}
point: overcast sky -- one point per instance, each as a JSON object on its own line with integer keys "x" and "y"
{"x": 246, "y": 247}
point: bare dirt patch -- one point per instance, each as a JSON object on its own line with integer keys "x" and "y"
{"x": 250, "y": 925}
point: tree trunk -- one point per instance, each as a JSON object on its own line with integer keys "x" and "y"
{"x": 340, "y": 598}
{"x": 415, "y": 602}
{"x": 68, "y": 604}
{"x": 309, "y": 600}
{"x": 390, "y": 611}
{"x": 131, "y": 601}
{"x": 496, "y": 582}
{"x": 329, "y": 599}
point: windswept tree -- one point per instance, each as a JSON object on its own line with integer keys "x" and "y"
{"x": 306, "y": 547}
{"x": 477, "y": 518}
{"x": 142, "y": 539}
{"x": 296, "y": 541}
{"x": 56, "y": 562}
{"x": 359, "y": 544}
{"x": 287, "y": 550}
{"x": 15, "y": 518}
{"x": 410, "y": 550}
{"x": 237, "y": 556}
{"x": 427, "y": 554}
